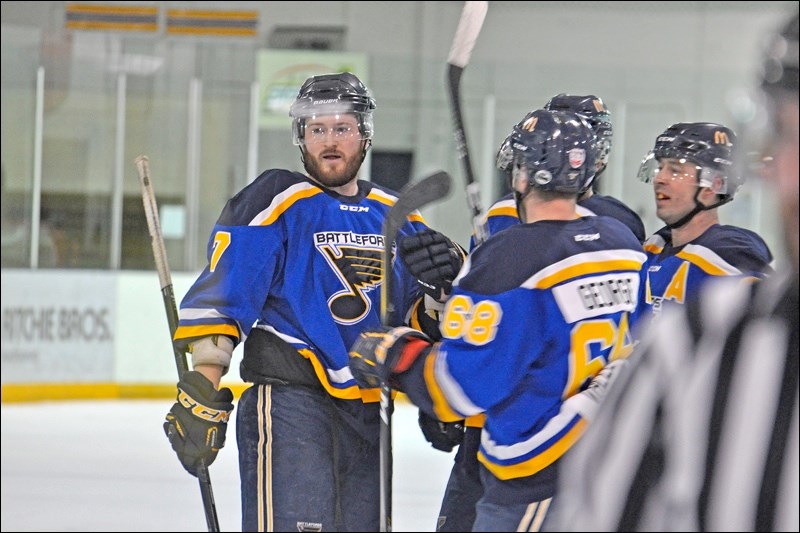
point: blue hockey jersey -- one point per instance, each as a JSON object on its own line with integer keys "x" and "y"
{"x": 675, "y": 273}
{"x": 503, "y": 214}
{"x": 536, "y": 312}
{"x": 304, "y": 263}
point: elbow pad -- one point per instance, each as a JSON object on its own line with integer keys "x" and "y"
{"x": 213, "y": 350}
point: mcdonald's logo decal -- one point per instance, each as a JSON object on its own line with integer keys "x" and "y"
{"x": 530, "y": 124}
{"x": 599, "y": 106}
{"x": 720, "y": 137}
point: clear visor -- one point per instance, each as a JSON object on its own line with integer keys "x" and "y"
{"x": 306, "y": 107}
{"x": 671, "y": 169}
{"x": 681, "y": 170}
{"x": 324, "y": 128}
{"x": 648, "y": 168}
{"x": 505, "y": 157}
{"x": 603, "y": 151}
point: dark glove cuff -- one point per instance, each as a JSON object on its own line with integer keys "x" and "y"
{"x": 197, "y": 394}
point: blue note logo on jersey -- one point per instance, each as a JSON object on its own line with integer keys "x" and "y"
{"x": 356, "y": 260}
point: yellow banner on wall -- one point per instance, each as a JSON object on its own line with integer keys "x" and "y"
{"x": 111, "y": 18}
{"x": 281, "y": 73}
{"x": 212, "y": 22}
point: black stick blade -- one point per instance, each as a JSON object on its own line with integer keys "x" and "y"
{"x": 415, "y": 195}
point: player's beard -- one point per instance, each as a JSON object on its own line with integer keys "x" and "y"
{"x": 332, "y": 178}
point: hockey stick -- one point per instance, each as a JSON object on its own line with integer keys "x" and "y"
{"x": 164, "y": 277}
{"x": 412, "y": 197}
{"x": 469, "y": 26}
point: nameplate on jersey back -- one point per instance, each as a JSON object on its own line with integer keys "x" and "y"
{"x": 597, "y": 295}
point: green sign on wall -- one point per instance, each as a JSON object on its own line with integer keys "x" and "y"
{"x": 282, "y": 72}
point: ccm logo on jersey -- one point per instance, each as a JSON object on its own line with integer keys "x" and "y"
{"x": 587, "y": 237}
{"x": 354, "y": 208}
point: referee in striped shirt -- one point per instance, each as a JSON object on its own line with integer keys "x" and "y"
{"x": 700, "y": 431}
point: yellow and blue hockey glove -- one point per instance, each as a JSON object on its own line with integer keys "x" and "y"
{"x": 198, "y": 420}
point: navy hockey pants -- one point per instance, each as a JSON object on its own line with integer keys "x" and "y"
{"x": 511, "y": 517}
{"x": 307, "y": 461}
{"x": 464, "y": 507}
{"x": 464, "y": 487}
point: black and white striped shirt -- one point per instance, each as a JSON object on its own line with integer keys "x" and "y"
{"x": 700, "y": 432}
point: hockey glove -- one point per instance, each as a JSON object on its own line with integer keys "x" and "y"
{"x": 434, "y": 260}
{"x": 587, "y": 402}
{"x": 378, "y": 354}
{"x": 443, "y": 436}
{"x": 197, "y": 422}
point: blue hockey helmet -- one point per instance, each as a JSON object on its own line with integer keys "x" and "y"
{"x": 332, "y": 94}
{"x": 592, "y": 109}
{"x": 553, "y": 151}
{"x": 708, "y": 145}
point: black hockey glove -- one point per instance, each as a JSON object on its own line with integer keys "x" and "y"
{"x": 433, "y": 259}
{"x": 378, "y": 354}
{"x": 443, "y": 436}
{"x": 197, "y": 422}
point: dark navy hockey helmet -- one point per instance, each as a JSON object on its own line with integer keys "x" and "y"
{"x": 553, "y": 151}
{"x": 332, "y": 94}
{"x": 708, "y": 145}
{"x": 592, "y": 109}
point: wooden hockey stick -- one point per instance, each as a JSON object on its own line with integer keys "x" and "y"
{"x": 469, "y": 26}
{"x": 412, "y": 197}
{"x": 168, "y": 295}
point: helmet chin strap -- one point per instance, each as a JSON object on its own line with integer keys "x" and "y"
{"x": 698, "y": 207}
{"x": 364, "y": 150}
{"x": 518, "y": 199}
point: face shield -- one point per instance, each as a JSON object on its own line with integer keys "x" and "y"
{"x": 505, "y": 156}
{"x": 603, "y": 152}
{"x": 329, "y": 128}
{"x": 315, "y": 122}
{"x": 681, "y": 169}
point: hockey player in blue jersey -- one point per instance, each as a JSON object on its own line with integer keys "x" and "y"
{"x": 536, "y": 312}
{"x": 464, "y": 489}
{"x": 709, "y": 436}
{"x": 691, "y": 169}
{"x": 294, "y": 272}
{"x": 503, "y": 213}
